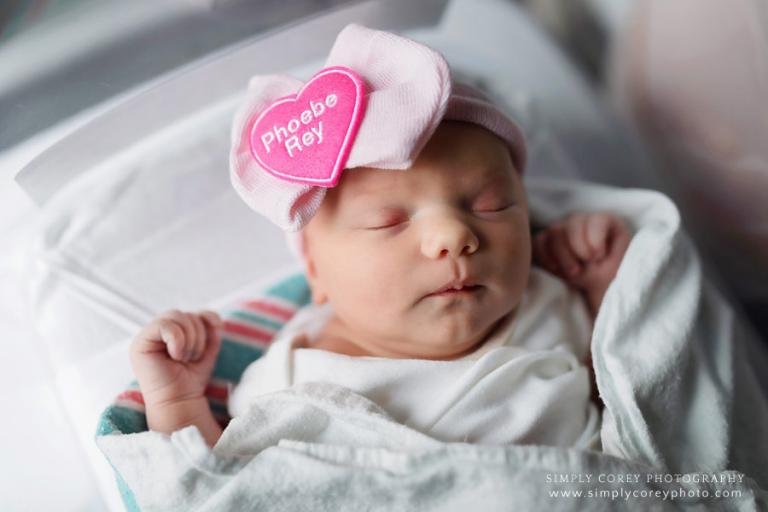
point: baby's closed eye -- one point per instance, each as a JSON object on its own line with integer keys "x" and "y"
{"x": 382, "y": 219}
{"x": 492, "y": 200}
{"x": 389, "y": 219}
{"x": 493, "y": 206}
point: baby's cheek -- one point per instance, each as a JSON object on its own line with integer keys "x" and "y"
{"x": 370, "y": 303}
{"x": 513, "y": 264}
{"x": 363, "y": 286}
{"x": 382, "y": 285}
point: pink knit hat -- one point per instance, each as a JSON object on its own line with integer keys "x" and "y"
{"x": 381, "y": 97}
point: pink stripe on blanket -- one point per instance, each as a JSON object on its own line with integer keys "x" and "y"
{"x": 262, "y": 306}
{"x": 132, "y": 395}
{"x": 254, "y": 333}
{"x": 217, "y": 392}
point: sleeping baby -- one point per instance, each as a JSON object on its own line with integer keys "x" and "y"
{"x": 401, "y": 192}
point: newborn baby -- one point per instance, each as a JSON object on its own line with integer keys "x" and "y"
{"x": 424, "y": 297}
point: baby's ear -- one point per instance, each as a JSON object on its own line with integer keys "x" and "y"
{"x": 318, "y": 294}
{"x": 318, "y": 298}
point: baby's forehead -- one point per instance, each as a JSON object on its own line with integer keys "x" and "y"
{"x": 367, "y": 184}
{"x": 459, "y": 157}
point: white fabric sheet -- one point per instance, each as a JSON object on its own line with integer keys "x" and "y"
{"x": 527, "y": 384}
{"x": 156, "y": 225}
{"x": 672, "y": 368}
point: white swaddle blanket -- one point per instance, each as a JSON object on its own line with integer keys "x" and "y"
{"x": 675, "y": 367}
{"x": 527, "y": 384}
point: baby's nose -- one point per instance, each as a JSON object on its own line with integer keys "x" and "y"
{"x": 447, "y": 234}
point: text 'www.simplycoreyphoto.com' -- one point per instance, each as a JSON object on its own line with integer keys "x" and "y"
{"x": 638, "y": 486}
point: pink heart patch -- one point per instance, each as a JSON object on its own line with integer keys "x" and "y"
{"x": 306, "y": 138}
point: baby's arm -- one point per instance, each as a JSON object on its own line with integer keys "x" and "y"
{"x": 173, "y": 358}
{"x": 585, "y": 250}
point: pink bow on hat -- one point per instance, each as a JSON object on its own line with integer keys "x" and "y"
{"x": 376, "y": 104}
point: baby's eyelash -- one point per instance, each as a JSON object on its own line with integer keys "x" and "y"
{"x": 391, "y": 225}
{"x": 506, "y": 207}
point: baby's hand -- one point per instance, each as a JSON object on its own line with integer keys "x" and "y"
{"x": 173, "y": 356}
{"x": 584, "y": 249}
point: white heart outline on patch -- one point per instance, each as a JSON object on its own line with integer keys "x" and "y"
{"x": 346, "y": 145}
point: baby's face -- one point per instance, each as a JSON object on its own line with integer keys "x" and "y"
{"x": 384, "y": 240}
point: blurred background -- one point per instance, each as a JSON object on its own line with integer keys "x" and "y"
{"x": 678, "y": 92}
{"x": 60, "y": 57}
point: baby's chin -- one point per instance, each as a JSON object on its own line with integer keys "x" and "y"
{"x": 453, "y": 338}
{"x": 460, "y": 320}
{"x": 442, "y": 351}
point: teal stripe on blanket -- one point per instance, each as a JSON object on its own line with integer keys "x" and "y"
{"x": 293, "y": 289}
{"x": 220, "y": 409}
{"x": 129, "y": 500}
{"x": 255, "y": 318}
{"x": 233, "y": 359}
{"x": 121, "y": 420}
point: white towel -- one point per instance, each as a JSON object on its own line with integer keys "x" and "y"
{"x": 675, "y": 367}
{"x": 527, "y": 384}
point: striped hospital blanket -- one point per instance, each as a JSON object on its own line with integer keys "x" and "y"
{"x": 249, "y": 327}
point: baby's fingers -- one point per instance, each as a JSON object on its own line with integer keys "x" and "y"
{"x": 552, "y": 251}
{"x": 176, "y": 341}
{"x": 541, "y": 251}
{"x": 560, "y": 249}
{"x": 597, "y": 230}
{"x": 576, "y": 226}
{"x": 183, "y": 335}
{"x": 211, "y": 319}
{"x": 162, "y": 334}
{"x": 213, "y": 325}
{"x": 193, "y": 334}
{"x": 198, "y": 347}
